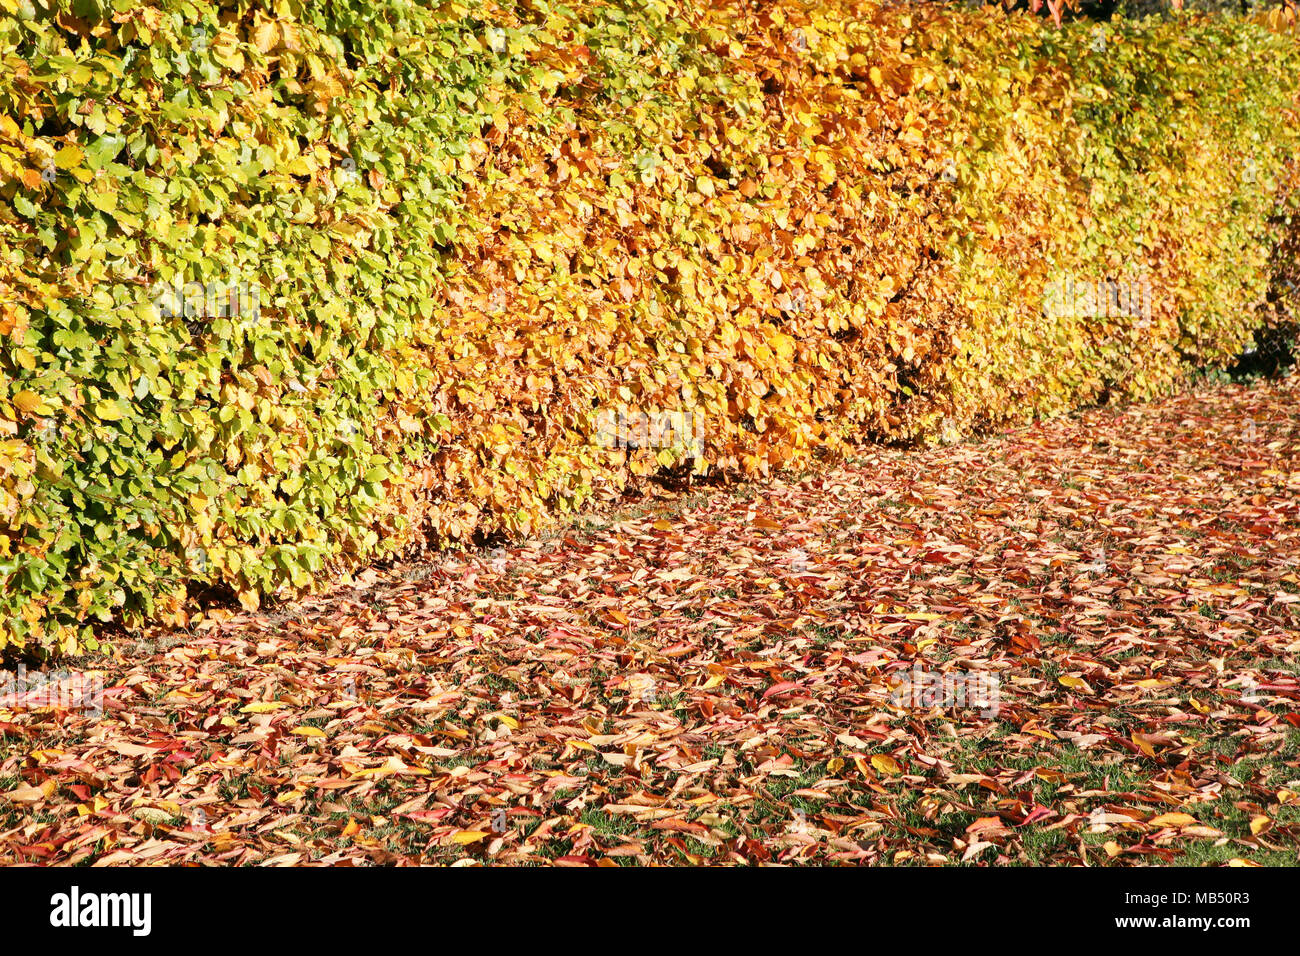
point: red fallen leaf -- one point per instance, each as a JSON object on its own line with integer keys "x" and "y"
{"x": 40, "y": 851}
{"x": 682, "y": 825}
{"x": 783, "y": 762}
{"x": 1036, "y": 814}
{"x": 986, "y": 824}
{"x": 1124, "y": 742}
{"x": 782, "y": 688}
{"x": 1293, "y": 719}
{"x": 1023, "y": 643}
{"x": 165, "y": 746}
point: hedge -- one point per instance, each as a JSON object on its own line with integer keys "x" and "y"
{"x": 289, "y": 286}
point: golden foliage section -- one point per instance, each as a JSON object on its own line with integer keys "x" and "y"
{"x": 478, "y": 234}
{"x": 741, "y": 238}
{"x": 840, "y": 226}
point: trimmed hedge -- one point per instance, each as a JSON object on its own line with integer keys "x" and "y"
{"x": 427, "y": 253}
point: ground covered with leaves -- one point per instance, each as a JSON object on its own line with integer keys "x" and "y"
{"x": 715, "y": 677}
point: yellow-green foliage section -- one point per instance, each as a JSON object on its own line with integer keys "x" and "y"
{"x": 1151, "y": 152}
{"x": 474, "y": 230}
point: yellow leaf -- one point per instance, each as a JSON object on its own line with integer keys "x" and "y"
{"x": 463, "y": 837}
{"x": 107, "y": 411}
{"x": 1259, "y": 824}
{"x": 1144, "y": 745}
{"x": 309, "y": 731}
{"x": 27, "y": 402}
{"x": 262, "y": 707}
{"x": 266, "y": 35}
{"x": 886, "y": 764}
{"x": 68, "y": 157}
{"x": 299, "y": 166}
{"x": 1172, "y": 820}
{"x": 104, "y": 202}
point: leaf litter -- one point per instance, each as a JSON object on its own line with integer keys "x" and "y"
{"x": 716, "y": 678}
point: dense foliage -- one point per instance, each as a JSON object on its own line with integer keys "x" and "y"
{"x": 287, "y": 285}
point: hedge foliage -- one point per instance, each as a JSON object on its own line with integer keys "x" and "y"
{"x": 471, "y": 231}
